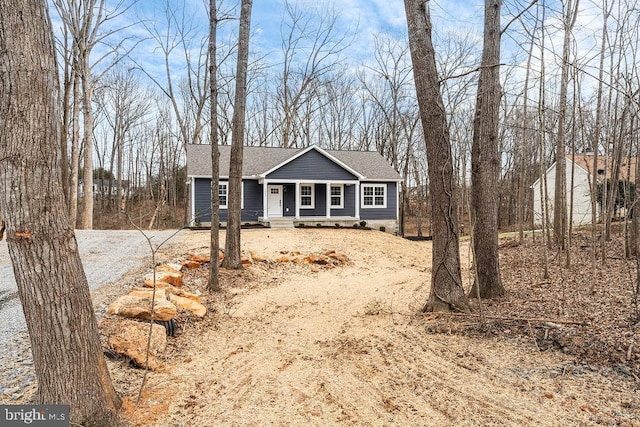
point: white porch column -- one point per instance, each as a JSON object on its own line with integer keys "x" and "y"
{"x": 297, "y": 200}
{"x": 192, "y": 194}
{"x": 357, "y": 196}
{"x": 265, "y": 208}
{"x": 328, "y": 201}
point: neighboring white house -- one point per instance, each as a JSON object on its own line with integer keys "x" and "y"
{"x": 101, "y": 188}
{"x": 581, "y": 191}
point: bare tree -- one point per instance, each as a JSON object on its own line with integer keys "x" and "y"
{"x": 311, "y": 51}
{"x": 123, "y": 103}
{"x": 83, "y": 21}
{"x": 447, "y": 292}
{"x": 214, "y": 247}
{"x": 560, "y": 191}
{"x": 51, "y": 283}
{"x": 232, "y": 258}
{"x": 485, "y": 161}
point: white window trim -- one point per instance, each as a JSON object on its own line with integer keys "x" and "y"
{"x": 241, "y": 195}
{"x": 374, "y": 186}
{"x": 312, "y": 195}
{"x": 226, "y": 183}
{"x": 331, "y": 196}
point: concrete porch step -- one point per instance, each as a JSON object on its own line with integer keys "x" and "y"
{"x": 281, "y": 223}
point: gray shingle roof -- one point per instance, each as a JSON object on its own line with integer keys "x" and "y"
{"x": 258, "y": 160}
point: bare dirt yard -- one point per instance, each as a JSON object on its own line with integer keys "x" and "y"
{"x": 289, "y": 343}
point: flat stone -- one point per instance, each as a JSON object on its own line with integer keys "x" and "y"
{"x": 189, "y": 305}
{"x": 140, "y": 308}
{"x": 129, "y": 338}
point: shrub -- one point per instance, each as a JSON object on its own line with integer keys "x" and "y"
{"x": 318, "y": 225}
{"x": 337, "y": 225}
{"x": 383, "y": 228}
{"x": 355, "y": 225}
{"x": 301, "y": 225}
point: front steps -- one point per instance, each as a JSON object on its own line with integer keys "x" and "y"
{"x": 281, "y": 223}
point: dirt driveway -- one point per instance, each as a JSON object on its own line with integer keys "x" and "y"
{"x": 307, "y": 345}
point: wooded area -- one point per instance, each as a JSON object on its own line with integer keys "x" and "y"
{"x": 546, "y": 97}
{"x": 568, "y": 82}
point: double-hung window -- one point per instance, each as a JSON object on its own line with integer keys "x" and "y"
{"x": 307, "y": 199}
{"x": 223, "y": 192}
{"x": 337, "y": 196}
{"x": 374, "y": 195}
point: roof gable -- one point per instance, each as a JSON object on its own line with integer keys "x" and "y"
{"x": 260, "y": 161}
{"x": 312, "y": 165}
{"x": 317, "y": 162}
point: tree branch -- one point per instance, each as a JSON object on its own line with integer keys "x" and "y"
{"x": 456, "y": 76}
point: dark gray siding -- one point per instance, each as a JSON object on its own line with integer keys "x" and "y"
{"x": 320, "y": 195}
{"x": 376, "y": 213}
{"x": 311, "y": 165}
{"x": 202, "y": 194}
{"x": 289, "y": 200}
{"x": 252, "y": 194}
{"x": 252, "y": 200}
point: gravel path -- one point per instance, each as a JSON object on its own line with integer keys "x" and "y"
{"x": 107, "y": 255}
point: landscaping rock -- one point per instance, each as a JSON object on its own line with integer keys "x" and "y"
{"x": 202, "y": 259}
{"x": 341, "y": 258}
{"x": 191, "y": 264}
{"x": 148, "y": 283}
{"x": 257, "y": 258}
{"x": 161, "y": 293}
{"x": 135, "y": 307}
{"x": 171, "y": 266}
{"x": 166, "y": 274}
{"x": 188, "y": 304}
{"x": 129, "y": 339}
{"x": 317, "y": 259}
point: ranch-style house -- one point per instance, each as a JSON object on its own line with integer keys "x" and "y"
{"x": 283, "y": 187}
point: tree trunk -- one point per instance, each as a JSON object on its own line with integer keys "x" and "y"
{"x": 75, "y": 154}
{"x": 447, "y": 292}
{"x": 214, "y": 247}
{"x": 232, "y": 258}
{"x": 560, "y": 193}
{"x": 51, "y": 283}
{"x": 86, "y": 216}
{"x": 485, "y": 161}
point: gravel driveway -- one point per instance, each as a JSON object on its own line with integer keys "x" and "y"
{"x": 106, "y": 256}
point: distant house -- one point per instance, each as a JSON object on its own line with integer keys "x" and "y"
{"x": 299, "y": 186}
{"x": 101, "y": 188}
{"x": 581, "y": 191}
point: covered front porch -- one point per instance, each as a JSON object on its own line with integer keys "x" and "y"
{"x": 311, "y": 202}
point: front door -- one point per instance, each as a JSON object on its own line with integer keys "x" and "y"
{"x": 274, "y": 201}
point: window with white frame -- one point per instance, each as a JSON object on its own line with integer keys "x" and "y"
{"x": 374, "y": 195}
{"x": 307, "y": 199}
{"x": 337, "y": 196}
{"x": 223, "y": 192}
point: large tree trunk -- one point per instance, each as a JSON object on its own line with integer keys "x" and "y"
{"x": 51, "y": 283}
{"x": 232, "y": 258}
{"x": 446, "y": 280}
{"x": 485, "y": 161}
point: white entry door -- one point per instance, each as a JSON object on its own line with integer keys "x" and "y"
{"x": 274, "y": 201}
